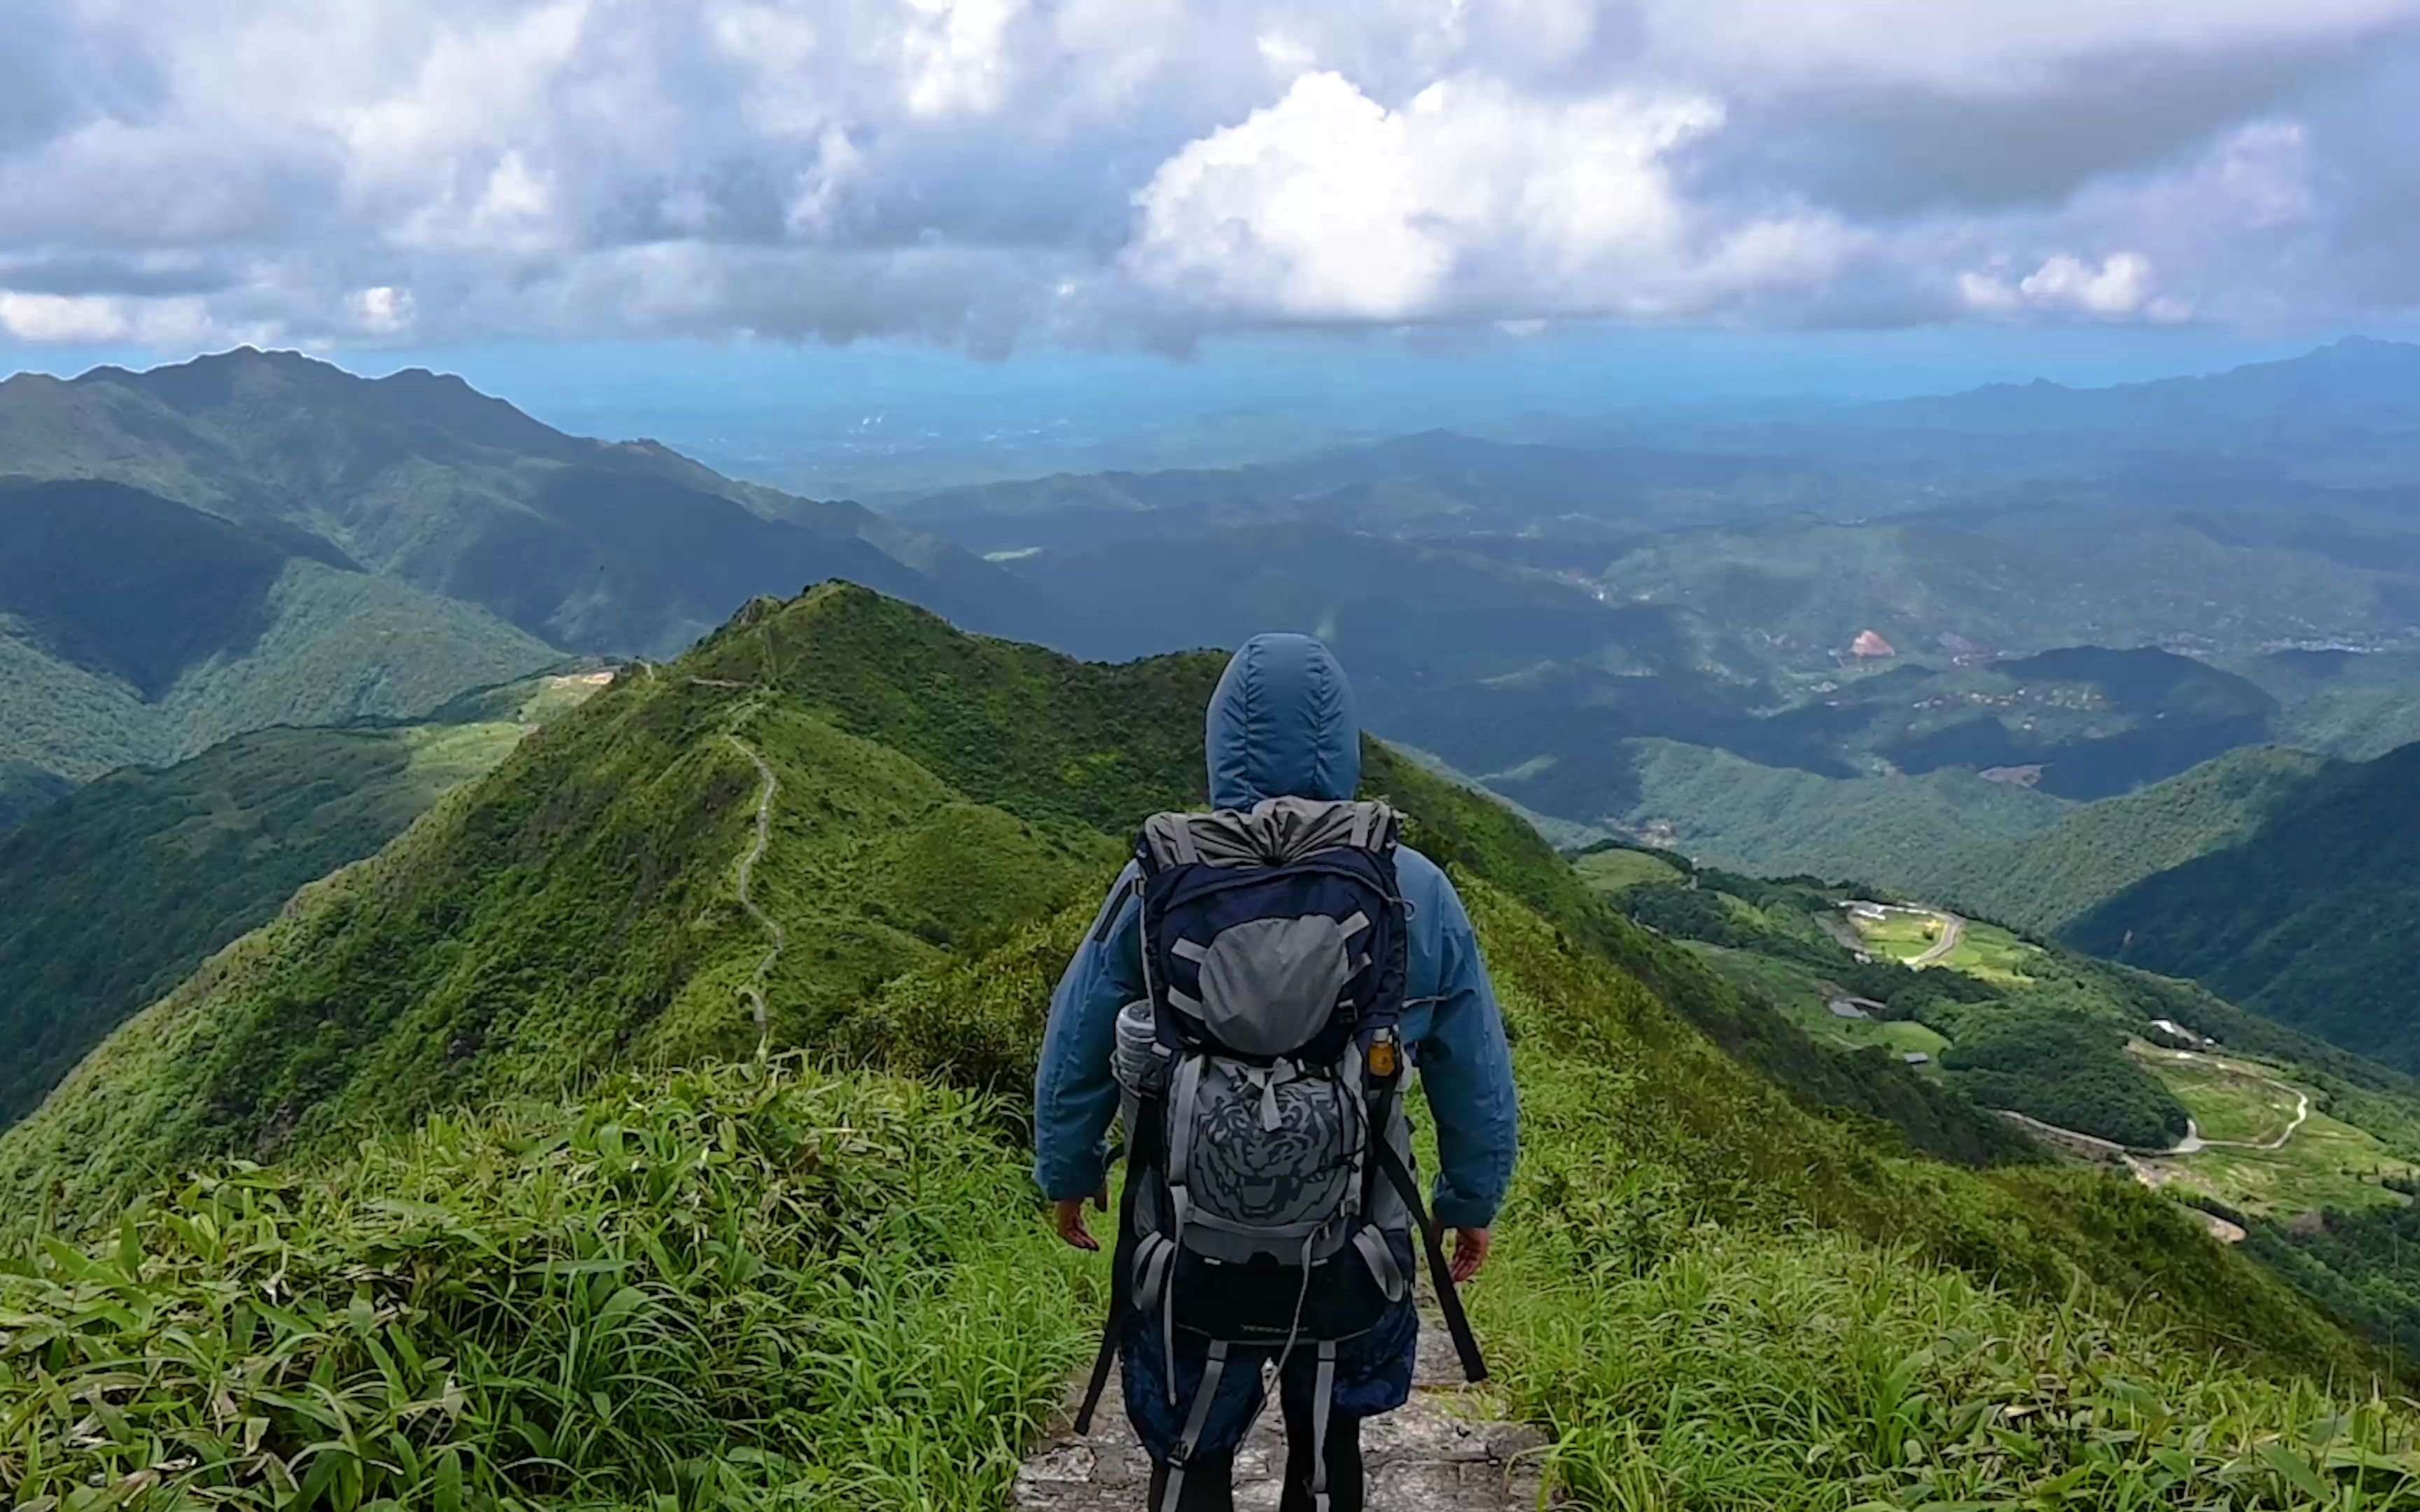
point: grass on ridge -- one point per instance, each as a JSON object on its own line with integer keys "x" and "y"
{"x": 753, "y": 1286}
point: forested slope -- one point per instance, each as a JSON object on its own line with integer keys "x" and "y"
{"x": 112, "y": 896}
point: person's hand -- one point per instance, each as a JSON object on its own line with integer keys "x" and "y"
{"x": 1067, "y": 1216}
{"x": 1470, "y": 1253}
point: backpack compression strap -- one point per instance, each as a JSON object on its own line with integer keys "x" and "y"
{"x": 1466, "y": 1344}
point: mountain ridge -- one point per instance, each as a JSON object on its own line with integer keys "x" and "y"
{"x": 501, "y": 1085}
{"x": 137, "y": 629}
{"x": 593, "y": 545}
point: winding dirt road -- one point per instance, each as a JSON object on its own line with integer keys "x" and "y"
{"x": 1954, "y": 929}
{"x": 2192, "y": 1142}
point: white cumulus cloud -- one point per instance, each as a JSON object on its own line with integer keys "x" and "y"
{"x": 981, "y": 172}
{"x": 1471, "y": 201}
{"x": 2119, "y": 286}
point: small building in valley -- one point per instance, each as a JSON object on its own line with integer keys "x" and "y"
{"x": 2177, "y": 1037}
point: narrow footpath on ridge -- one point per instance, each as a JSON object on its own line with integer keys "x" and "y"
{"x": 1446, "y": 1450}
{"x": 755, "y": 990}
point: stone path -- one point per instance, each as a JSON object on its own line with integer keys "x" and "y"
{"x": 1441, "y": 1452}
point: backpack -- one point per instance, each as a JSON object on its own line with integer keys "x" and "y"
{"x": 1269, "y": 1154}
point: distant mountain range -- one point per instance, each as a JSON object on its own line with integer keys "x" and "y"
{"x": 2080, "y": 591}
{"x": 2079, "y": 618}
{"x": 589, "y": 546}
{"x": 136, "y": 629}
{"x": 2354, "y": 383}
{"x": 260, "y": 538}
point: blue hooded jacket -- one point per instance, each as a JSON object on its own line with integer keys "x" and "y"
{"x": 1281, "y": 724}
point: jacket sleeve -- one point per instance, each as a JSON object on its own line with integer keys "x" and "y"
{"x": 1074, "y": 1095}
{"x": 1466, "y": 1072}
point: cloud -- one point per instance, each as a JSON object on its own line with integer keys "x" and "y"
{"x": 1470, "y": 200}
{"x": 981, "y": 172}
{"x": 91, "y": 318}
{"x": 2120, "y": 287}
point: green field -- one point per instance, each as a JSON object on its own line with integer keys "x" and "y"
{"x": 1992, "y": 953}
{"x": 2328, "y": 1164}
{"x": 1902, "y": 935}
{"x": 1616, "y": 868}
{"x": 1803, "y": 996}
{"x": 2229, "y": 1099}
{"x": 1984, "y": 951}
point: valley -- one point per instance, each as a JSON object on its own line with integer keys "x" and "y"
{"x": 121, "y": 890}
{"x": 1529, "y": 755}
{"x": 611, "y": 1014}
{"x": 2305, "y": 1155}
{"x": 455, "y": 973}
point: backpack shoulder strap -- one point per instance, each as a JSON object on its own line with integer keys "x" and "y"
{"x": 1457, "y": 1325}
{"x": 1143, "y": 1160}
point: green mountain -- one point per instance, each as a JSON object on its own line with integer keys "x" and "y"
{"x": 539, "y": 1222}
{"x": 135, "y": 629}
{"x": 2354, "y": 704}
{"x": 2045, "y": 881}
{"x": 2312, "y": 918}
{"x": 112, "y": 896}
{"x": 588, "y": 545}
{"x": 2303, "y": 1153}
{"x": 1731, "y": 812}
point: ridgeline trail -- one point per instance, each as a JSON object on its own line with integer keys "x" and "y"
{"x": 1446, "y": 1450}
{"x": 755, "y": 990}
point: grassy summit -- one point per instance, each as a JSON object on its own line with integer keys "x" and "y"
{"x": 537, "y": 1223}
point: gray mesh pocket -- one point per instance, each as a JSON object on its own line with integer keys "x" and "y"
{"x": 1270, "y": 1153}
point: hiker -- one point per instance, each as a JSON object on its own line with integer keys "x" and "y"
{"x": 1303, "y": 963}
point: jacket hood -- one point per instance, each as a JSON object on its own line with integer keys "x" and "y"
{"x": 1281, "y": 725}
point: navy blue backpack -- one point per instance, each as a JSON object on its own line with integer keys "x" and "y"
{"x": 1268, "y": 1156}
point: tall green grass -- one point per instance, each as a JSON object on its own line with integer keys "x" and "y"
{"x": 751, "y": 1285}
{"x": 1819, "y": 1372}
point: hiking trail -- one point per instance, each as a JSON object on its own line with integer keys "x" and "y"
{"x": 1443, "y": 1450}
{"x": 755, "y": 990}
